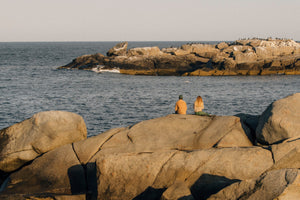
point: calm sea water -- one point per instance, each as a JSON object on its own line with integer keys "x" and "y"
{"x": 31, "y": 83}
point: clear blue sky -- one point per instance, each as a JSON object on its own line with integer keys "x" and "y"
{"x": 147, "y": 20}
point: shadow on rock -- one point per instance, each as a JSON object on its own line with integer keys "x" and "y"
{"x": 150, "y": 194}
{"x": 190, "y": 197}
{"x": 84, "y": 183}
{"x": 208, "y": 185}
{"x": 249, "y": 122}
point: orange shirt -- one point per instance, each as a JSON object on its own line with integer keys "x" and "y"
{"x": 180, "y": 107}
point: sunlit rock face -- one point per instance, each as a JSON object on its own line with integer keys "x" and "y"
{"x": 171, "y": 157}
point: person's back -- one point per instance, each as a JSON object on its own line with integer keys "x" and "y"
{"x": 199, "y": 106}
{"x": 180, "y": 107}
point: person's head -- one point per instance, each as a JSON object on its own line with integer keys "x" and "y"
{"x": 180, "y": 97}
{"x": 199, "y": 99}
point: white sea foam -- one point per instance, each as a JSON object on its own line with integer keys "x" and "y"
{"x": 100, "y": 69}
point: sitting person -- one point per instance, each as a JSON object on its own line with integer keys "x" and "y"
{"x": 180, "y": 107}
{"x": 199, "y": 106}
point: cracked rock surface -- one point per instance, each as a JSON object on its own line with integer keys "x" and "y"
{"x": 44, "y": 131}
{"x": 172, "y": 157}
{"x": 271, "y": 185}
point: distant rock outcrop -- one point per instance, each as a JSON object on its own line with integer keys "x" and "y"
{"x": 242, "y": 57}
{"x": 173, "y": 157}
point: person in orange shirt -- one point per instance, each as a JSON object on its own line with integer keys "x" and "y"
{"x": 180, "y": 107}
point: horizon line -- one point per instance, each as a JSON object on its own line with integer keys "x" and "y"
{"x": 16, "y": 41}
{"x": 122, "y": 41}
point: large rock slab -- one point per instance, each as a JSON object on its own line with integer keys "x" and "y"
{"x": 286, "y": 154}
{"x": 44, "y": 131}
{"x": 172, "y": 157}
{"x": 86, "y": 149}
{"x": 57, "y": 171}
{"x": 280, "y": 121}
{"x": 173, "y": 132}
{"x": 194, "y": 167}
{"x": 277, "y": 184}
{"x": 225, "y": 131}
{"x": 128, "y": 175}
{"x": 149, "y": 156}
{"x": 137, "y": 175}
{"x": 140, "y": 175}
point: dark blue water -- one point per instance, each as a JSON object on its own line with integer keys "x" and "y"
{"x": 30, "y": 83}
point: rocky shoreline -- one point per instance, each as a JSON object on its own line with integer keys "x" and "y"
{"x": 185, "y": 157}
{"x": 242, "y": 57}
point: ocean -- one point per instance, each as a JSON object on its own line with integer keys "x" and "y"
{"x": 30, "y": 83}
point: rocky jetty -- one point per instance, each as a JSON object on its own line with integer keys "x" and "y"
{"x": 185, "y": 157}
{"x": 242, "y": 57}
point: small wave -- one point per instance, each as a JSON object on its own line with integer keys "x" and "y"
{"x": 99, "y": 69}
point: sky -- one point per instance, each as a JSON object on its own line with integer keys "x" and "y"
{"x": 148, "y": 20}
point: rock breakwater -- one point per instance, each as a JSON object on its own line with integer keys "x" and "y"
{"x": 242, "y": 57}
{"x": 172, "y": 157}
